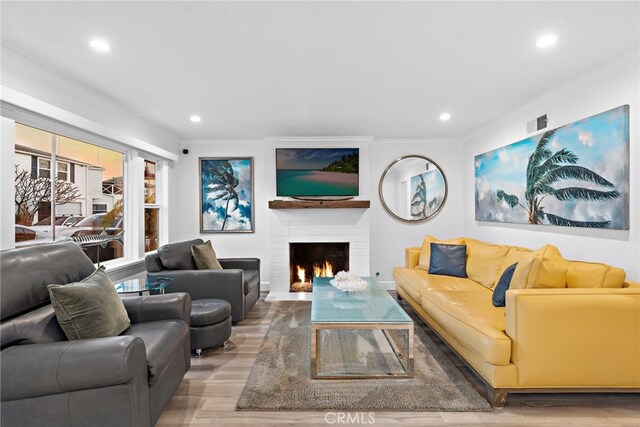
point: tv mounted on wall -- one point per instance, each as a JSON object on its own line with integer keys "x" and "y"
{"x": 317, "y": 172}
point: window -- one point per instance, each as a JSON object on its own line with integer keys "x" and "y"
{"x": 149, "y": 182}
{"x": 63, "y": 171}
{"x": 88, "y": 183}
{"x": 44, "y": 168}
{"x": 151, "y": 210}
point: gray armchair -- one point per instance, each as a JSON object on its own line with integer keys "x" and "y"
{"x": 238, "y": 282}
{"x": 116, "y": 381}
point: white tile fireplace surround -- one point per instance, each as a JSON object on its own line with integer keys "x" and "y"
{"x": 315, "y": 225}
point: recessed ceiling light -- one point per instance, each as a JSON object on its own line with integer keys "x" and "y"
{"x": 546, "y": 40}
{"x": 445, "y": 116}
{"x": 195, "y": 119}
{"x": 100, "y": 45}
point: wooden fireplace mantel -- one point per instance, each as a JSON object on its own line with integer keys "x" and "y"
{"x": 319, "y": 204}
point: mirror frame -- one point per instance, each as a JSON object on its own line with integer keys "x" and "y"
{"x": 393, "y": 214}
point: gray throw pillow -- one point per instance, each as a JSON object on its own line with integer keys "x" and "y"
{"x": 90, "y": 308}
{"x": 205, "y": 257}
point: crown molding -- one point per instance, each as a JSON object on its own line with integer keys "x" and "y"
{"x": 25, "y": 102}
{"x": 611, "y": 68}
{"x": 318, "y": 139}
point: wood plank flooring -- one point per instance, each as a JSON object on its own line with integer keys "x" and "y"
{"x": 210, "y": 390}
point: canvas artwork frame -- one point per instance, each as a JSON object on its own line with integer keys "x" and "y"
{"x": 576, "y": 175}
{"x": 226, "y": 194}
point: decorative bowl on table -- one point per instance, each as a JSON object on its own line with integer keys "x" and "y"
{"x": 348, "y": 282}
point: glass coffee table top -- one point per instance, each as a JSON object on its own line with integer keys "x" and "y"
{"x": 372, "y": 305}
{"x": 140, "y": 285}
{"x": 363, "y": 334}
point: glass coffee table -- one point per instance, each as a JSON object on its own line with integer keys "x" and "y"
{"x": 363, "y": 334}
{"x": 140, "y": 285}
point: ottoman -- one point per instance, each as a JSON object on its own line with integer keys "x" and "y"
{"x": 210, "y": 324}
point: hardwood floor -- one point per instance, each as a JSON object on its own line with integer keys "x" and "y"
{"x": 210, "y": 390}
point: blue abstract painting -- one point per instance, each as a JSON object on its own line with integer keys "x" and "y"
{"x": 226, "y": 195}
{"x": 576, "y": 175}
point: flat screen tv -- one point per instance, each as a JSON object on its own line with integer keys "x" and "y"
{"x": 317, "y": 172}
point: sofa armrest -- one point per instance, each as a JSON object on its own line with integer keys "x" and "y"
{"x": 240, "y": 263}
{"x": 411, "y": 256}
{"x": 158, "y": 307}
{"x": 65, "y": 366}
{"x": 578, "y": 337}
{"x": 205, "y": 284}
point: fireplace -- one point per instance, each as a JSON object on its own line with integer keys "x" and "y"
{"x": 308, "y": 260}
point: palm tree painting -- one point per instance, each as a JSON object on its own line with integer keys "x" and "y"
{"x": 226, "y": 195}
{"x": 575, "y": 176}
{"x": 427, "y": 194}
{"x": 418, "y": 197}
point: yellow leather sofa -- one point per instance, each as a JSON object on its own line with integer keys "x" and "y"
{"x": 570, "y": 326}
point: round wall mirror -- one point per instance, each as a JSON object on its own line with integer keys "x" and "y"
{"x": 413, "y": 188}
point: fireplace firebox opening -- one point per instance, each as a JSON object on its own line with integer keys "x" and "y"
{"x": 319, "y": 259}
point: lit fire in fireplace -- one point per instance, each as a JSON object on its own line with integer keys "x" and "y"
{"x": 323, "y": 270}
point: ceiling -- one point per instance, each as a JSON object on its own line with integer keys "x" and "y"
{"x": 385, "y": 69}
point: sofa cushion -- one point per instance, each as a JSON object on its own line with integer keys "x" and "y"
{"x": 425, "y": 251}
{"x": 177, "y": 256}
{"x": 536, "y": 271}
{"x": 251, "y": 280}
{"x": 90, "y": 308}
{"x": 163, "y": 340}
{"x": 473, "y": 320}
{"x": 35, "y": 327}
{"x": 500, "y": 291}
{"x": 448, "y": 260}
{"x": 26, "y": 272}
{"x": 594, "y": 275}
{"x": 416, "y": 282}
{"x": 209, "y": 311}
{"x": 514, "y": 255}
{"x": 205, "y": 257}
{"x": 484, "y": 261}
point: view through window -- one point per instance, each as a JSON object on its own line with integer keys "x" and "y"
{"x": 151, "y": 210}
{"x": 87, "y": 189}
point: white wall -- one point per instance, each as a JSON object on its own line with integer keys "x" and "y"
{"x": 390, "y": 237}
{"x": 233, "y": 244}
{"x": 617, "y": 247}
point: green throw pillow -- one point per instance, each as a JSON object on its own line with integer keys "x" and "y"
{"x": 205, "y": 257}
{"x": 90, "y": 308}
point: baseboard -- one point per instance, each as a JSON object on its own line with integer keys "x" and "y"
{"x": 389, "y": 285}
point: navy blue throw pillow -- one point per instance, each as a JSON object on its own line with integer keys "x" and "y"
{"x": 500, "y": 291}
{"x": 448, "y": 260}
